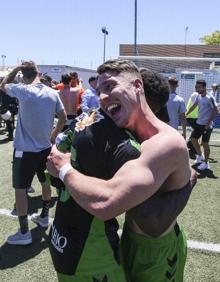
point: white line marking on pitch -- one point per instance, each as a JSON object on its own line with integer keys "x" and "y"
{"x": 191, "y": 244}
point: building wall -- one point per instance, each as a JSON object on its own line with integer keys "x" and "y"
{"x": 170, "y": 66}
{"x": 171, "y": 50}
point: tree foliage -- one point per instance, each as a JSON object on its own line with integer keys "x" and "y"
{"x": 212, "y": 39}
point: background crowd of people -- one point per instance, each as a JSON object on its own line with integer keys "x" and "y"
{"x": 89, "y": 141}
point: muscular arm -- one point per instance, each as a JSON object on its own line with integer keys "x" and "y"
{"x": 135, "y": 181}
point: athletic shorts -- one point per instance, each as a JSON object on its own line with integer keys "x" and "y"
{"x": 115, "y": 275}
{"x": 192, "y": 122}
{"x": 26, "y": 164}
{"x": 149, "y": 259}
{"x": 201, "y": 131}
{"x": 82, "y": 258}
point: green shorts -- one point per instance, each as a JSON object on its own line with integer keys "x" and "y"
{"x": 148, "y": 259}
{"x": 94, "y": 262}
{"x": 116, "y": 275}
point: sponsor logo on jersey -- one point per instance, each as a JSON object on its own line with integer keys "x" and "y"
{"x": 87, "y": 119}
{"x": 58, "y": 241}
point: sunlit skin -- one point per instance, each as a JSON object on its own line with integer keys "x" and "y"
{"x": 119, "y": 97}
{"x": 123, "y": 100}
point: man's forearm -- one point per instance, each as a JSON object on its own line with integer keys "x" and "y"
{"x": 10, "y": 77}
{"x": 214, "y": 114}
{"x": 59, "y": 126}
{"x": 183, "y": 122}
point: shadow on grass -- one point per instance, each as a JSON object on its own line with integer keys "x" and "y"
{"x": 4, "y": 141}
{"x": 3, "y": 131}
{"x": 11, "y": 255}
{"x": 35, "y": 203}
{"x": 205, "y": 173}
{"x": 213, "y": 161}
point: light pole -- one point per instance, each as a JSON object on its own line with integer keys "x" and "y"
{"x": 3, "y": 62}
{"x": 135, "y": 27}
{"x": 186, "y": 30}
{"x": 105, "y": 32}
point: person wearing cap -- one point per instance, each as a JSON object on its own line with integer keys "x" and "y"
{"x": 176, "y": 107}
{"x": 90, "y": 99}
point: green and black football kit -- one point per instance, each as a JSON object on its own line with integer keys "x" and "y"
{"x": 84, "y": 248}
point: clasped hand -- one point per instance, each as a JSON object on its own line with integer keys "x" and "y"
{"x": 56, "y": 160}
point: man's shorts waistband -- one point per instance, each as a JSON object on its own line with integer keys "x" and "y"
{"x": 157, "y": 241}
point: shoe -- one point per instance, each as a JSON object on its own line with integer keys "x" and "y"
{"x": 20, "y": 239}
{"x": 203, "y": 166}
{"x": 14, "y": 212}
{"x": 30, "y": 190}
{"x": 42, "y": 221}
{"x": 10, "y": 138}
{"x": 199, "y": 159}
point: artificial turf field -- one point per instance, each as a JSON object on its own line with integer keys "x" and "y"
{"x": 201, "y": 221}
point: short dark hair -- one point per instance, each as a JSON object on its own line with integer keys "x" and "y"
{"x": 29, "y": 70}
{"x": 156, "y": 88}
{"x": 74, "y": 74}
{"x": 173, "y": 81}
{"x": 118, "y": 66}
{"x": 92, "y": 78}
{"x": 66, "y": 78}
{"x": 47, "y": 77}
{"x": 201, "y": 81}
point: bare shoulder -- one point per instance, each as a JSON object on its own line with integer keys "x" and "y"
{"x": 166, "y": 154}
{"x": 167, "y": 143}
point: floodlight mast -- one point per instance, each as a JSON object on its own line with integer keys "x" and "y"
{"x": 105, "y": 32}
{"x": 135, "y": 28}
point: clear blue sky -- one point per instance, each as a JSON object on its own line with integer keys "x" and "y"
{"x": 69, "y": 31}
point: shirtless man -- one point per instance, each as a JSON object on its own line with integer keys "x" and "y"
{"x": 155, "y": 171}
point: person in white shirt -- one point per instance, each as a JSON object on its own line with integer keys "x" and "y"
{"x": 214, "y": 91}
{"x": 207, "y": 112}
{"x": 176, "y": 107}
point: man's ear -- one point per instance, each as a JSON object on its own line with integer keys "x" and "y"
{"x": 138, "y": 84}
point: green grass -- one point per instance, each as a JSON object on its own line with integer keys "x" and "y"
{"x": 200, "y": 220}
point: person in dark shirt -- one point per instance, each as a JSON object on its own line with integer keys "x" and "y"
{"x": 10, "y": 104}
{"x": 99, "y": 149}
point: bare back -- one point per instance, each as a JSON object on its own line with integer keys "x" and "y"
{"x": 155, "y": 216}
